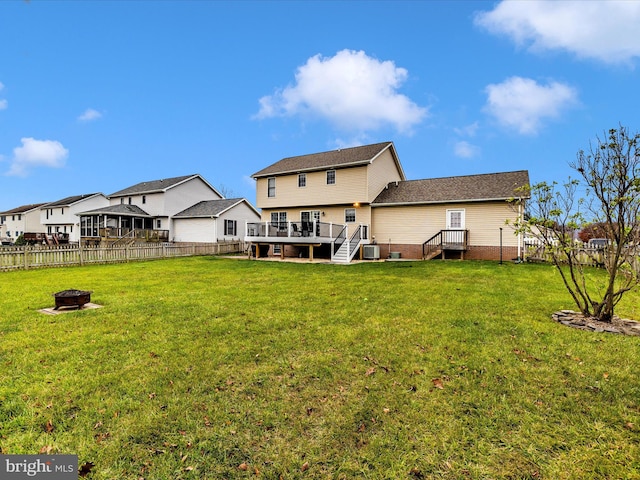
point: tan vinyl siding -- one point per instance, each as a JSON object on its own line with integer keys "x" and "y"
{"x": 332, "y": 213}
{"x": 416, "y": 224}
{"x": 350, "y": 187}
{"x": 382, "y": 171}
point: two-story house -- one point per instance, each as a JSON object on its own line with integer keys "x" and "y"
{"x": 17, "y": 221}
{"x": 331, "y": 204}
{"x": 61, "y": 217}
{"x": 165, "y": 210}
{"x": 314, "y": 203}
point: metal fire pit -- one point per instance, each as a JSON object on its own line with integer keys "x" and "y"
{"x": 72, "y": 298}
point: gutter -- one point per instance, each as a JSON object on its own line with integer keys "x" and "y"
{"x": 312, "y": 169}
{"x": 438, "y": 202}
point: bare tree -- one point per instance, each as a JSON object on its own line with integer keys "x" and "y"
{"x": 610, "y": 175}
{"x": 225, "y": 191}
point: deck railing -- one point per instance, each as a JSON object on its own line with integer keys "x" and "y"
{"x": 297, "y": 230}
{"x": 114, "y": 233}
{"x": 446, "y": 240}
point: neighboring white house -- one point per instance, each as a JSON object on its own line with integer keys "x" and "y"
{"x": 178, "y": 209}
{"x": 17, "y": 221}
{"x": 62, "y": 216}
{"x": 214, "y": 220}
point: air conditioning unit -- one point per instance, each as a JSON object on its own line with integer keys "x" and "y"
{"x": 371, "y": 252}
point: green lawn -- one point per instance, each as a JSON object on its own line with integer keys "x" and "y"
{"x": 210, "y": 368}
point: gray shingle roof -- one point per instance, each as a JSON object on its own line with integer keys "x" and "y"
{"x": 208, "y": 208}
{"x": 71, "y": 200}
{"x": 22, "y": 209}
{"x": 122, "y": 209}
{"x": 320, "y": 161}
{"x": 153, "y": 186}
{"x": 469, "y": 188}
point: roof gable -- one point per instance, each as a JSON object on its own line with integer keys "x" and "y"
{"x": 23, "y": 209}
{"x": 158, "y": 186}
{"x": 210, "y": 208}
{"x": 468, "y": 188}
{"x": 341, "y": 158}
{"x": 67, "y": 201}
{"x": 122, "y": 209}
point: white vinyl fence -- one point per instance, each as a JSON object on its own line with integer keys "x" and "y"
{"x": 39, "y": 256}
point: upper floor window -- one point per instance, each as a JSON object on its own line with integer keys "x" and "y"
{"x": 121, "y": 200}
{"x": 349, "y": 215}
{"x": 302, "y": 180}
{"x": 129, "y": 200}
{"x": 331, "y": 177}
{"x": 271, "y": 187}
{"x": 144, "y": 199}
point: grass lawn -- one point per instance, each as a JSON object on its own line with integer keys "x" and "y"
{"x": 211, "y": 368}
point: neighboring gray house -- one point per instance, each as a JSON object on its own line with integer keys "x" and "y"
{"x": 214, "y": 220}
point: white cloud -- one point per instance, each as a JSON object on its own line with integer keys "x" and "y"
{"x": 89, "y": 115}
{"x": 464, "y": 149}
{"x": 522, "y": 104}
{"x": 351, "y": 90}
{"x": 37, "y": 153}
{"x": 468, "y": 130}
{"x": 603, "y": 30}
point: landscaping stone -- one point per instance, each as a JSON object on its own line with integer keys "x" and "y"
{"x": 618, "y": 325}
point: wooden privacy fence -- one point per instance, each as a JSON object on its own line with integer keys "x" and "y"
{"x": 37, "y": 256}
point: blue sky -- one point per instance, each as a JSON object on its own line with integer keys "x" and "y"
{"x": 97, "y": 96}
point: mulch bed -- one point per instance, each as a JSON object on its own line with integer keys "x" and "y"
{"x": 618, "y": 325}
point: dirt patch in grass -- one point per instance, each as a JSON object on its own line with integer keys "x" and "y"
{"x": 619, "y": 325}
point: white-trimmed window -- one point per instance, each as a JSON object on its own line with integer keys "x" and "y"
{"x": 279, "y": 219}
{"x": 331, "y": 177}
{"x": 158, "y": 224}
{"x": 349, "y": 215}
{"x": 455, "y": 219}
{"x": 302, "y": 180}
{"x": 230, "y": 227}
{"x": 271, "y": 187}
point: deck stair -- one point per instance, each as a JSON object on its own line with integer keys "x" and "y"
{"x": 445, "y": 241}
{"x": 128, "y": 239}
{"x": 345, "y": 251}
